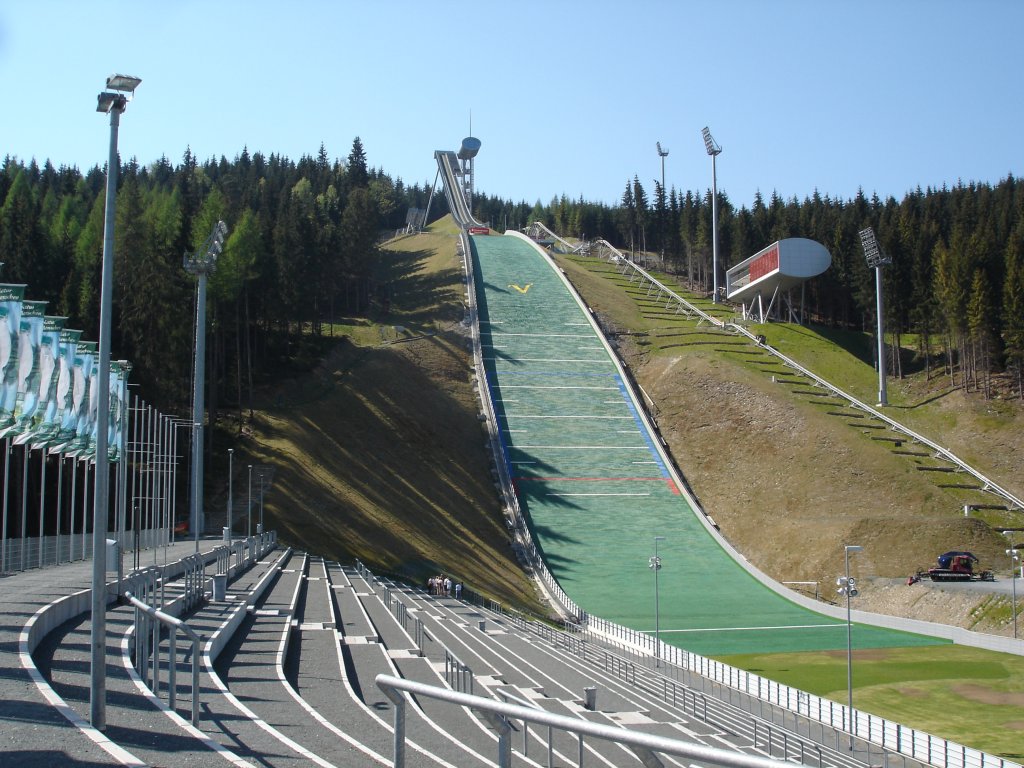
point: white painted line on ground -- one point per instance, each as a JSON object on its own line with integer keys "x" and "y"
{"x": 597, "y": 494}
{"x": 175, "y": 718}
{"x": 550, "y": 335}
{"x": 570, "y": 416}
{"x": 747, "y": 629}
{"x": 549, "y": 386}
{"x": 591, "y": 447}
{"x": 121, "y": 755}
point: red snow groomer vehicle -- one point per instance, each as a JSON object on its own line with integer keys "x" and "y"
{"x": 958, "y": 566}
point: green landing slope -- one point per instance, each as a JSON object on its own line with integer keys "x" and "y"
{"x": 596, "y": 489}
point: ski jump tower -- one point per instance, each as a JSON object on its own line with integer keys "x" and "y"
{"x": 456, "y": 169}
{"x": 467, "y": 154}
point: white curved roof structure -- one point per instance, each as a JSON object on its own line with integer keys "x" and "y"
{"x": 781, "y": 266}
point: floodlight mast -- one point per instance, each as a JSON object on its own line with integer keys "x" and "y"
{"x": 876, "y": 260}
{"x": 714, "y": 150}
{"x": 662, "y": 153}
{"x": 201, "y": 264}
{"x": 112, "y": 104}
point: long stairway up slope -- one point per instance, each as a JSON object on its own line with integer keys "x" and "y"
{"x": 596, "y": 486}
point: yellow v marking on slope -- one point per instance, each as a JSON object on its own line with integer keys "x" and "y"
{"x": 521, "y": 290}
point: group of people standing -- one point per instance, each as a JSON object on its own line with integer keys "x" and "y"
{"x": 443, "y": 585}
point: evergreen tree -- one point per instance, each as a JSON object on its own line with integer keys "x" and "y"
{"x": 356, "y": 171}
{"x": 1013, "y": 306}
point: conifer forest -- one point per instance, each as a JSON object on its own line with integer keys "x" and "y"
{"x": 302, "y": 252}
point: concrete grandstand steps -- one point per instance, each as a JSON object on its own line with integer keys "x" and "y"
{"x": 619, "y": 701}
{"x": 134, "y": 720}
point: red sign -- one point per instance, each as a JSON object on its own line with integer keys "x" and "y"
{"x": 765, "y": 263}
{"x": 479, "y": 231}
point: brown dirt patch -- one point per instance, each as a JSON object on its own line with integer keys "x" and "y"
{"x": 913, "y": 693}
{"x": 984, "y": 695}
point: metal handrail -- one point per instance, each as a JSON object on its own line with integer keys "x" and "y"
{"x": 498, "y": 713}
{"x": 173, "y": 624}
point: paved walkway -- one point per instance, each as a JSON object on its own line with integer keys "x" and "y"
{"x": 33, "y": 733}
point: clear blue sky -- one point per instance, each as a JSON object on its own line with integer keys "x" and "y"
{"x": 567, "y": 97}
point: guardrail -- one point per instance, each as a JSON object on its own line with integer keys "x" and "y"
{"x": 152, "y": 622}
{"x": 497, "y": 714}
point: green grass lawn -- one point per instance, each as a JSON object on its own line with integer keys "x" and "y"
{"x": 968, "y": 695}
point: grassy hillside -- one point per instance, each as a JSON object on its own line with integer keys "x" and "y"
{"x": 378, "y": 454}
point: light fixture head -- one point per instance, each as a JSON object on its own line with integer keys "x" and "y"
{"x": 872, "y": 253}
{"x": 107, "y": 102}
{"x": 710, "y": 144}
{"x": 123, "y": 83}
{"x": 854, "y": 548}
{"x": 662, "y": 152}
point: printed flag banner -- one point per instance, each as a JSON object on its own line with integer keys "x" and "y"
{"x": 30, "y": 337}
{"x": 41, "y": 425}
{"x": 114, "y": 410}
{"x": 10, "y": 321}
{"x": 85, "y": 359}
{"x": 65, "y": 417}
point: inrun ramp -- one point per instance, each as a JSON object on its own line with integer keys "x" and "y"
{"x": 596, "y": 488}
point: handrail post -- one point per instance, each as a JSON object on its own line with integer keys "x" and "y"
{"x": 398, "y": 700}
{"x": 504, "y": 729}
{"x": 172, "y": 669}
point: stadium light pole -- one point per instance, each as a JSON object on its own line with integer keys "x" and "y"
{"x": 662, "y": 153}
{"x": 1012, "y": 552}
{"x": 231, "y": 490}
{"x": 113, "y": 101}
{"x": 655, "y": 565}
{"x": 876, "y": 259}
{"x": 248, "y": 508}
{"x": 848, "y": 587}
{"x": 714, "y": 150}
{"x": 201, "y": 264}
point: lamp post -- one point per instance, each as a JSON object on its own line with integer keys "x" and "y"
{"x": 1012, "y": 552}
{"x": 201, "y": 264}
{"x": 876, "y": 260}
{"x": 248, "y": 508}
{"x": 848, "y": 587}
{"x": 262, "y": 488}
{"x": 120, "y": 88}
{"x": 662, "y": 153}
{"x": 714, "y": 150}
{"x": 655, "y": 565}
{"x": 231, "y": 499}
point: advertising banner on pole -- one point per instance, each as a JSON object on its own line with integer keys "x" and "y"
{"x": 10, "y": 321}
{"x": 116, "y": 410}
{"x": 61, "y": 401}
{"x": 66, "y": 417}
{"x": 84, "y": 399}
{"x": 30, "y": 337}
{"x": 40, "y": 426}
